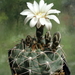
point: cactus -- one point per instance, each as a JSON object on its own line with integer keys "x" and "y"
{"x": 39, "y": 55}
{"x": 31, "y": 57}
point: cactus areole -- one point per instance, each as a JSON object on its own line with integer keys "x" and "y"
{"x": 42, "y": 54}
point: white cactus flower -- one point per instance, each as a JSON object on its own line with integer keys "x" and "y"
{"x": 40, "y": 14}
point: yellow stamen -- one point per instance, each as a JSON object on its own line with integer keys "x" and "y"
{"x": 40, "y": 15}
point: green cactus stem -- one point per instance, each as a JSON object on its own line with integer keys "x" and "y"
{"x": 31, "y": 58}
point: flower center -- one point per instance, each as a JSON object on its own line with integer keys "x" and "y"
{"x": 40, "y": 15}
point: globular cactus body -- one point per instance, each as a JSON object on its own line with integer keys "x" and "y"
{"x": 26, "y": 61}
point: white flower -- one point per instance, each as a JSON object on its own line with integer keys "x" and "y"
{"x": 40, "y": 14}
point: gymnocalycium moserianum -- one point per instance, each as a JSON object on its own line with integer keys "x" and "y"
{"x": 42, "y": 54}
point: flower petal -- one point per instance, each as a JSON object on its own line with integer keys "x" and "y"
{"x": 54, "y": 18}
{"x": 27, "y": 19}
{"x": 26, "y": 12}
{"x": 48, "y": 24}
{"x": 42, "y": 21}
{"x": 41, "y": 3}
{"x": 30, "y": 6}
{"x": 38, "y": 24}
{"x": 36, "y": 7}
{"x": 53, "y": 11}
{"x": 33, "y": 22}
{"x": 43, "y": 9}
{"x": 49, "y": 6}
{"x": 30, "y": 15}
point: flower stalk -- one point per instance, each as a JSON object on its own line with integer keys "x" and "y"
{"x": 39, "y": 33}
